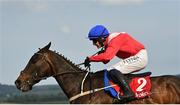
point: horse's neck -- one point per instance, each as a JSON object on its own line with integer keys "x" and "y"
{"x": 69, "y": 82}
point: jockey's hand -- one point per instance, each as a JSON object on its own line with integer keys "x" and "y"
{"x": 87, "y": 62}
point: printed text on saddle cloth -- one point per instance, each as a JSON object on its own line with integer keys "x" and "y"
{"x": 141, "y": 86}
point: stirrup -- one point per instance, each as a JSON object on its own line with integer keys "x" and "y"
{"x": 119, "y": 98}
{"x": 122, "y": 98}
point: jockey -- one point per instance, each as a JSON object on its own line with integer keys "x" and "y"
{"x": 132, "y": 54}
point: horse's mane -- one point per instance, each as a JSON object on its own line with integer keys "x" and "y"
{"x": 75, "y": 65}
{"x": 68, "y": 61}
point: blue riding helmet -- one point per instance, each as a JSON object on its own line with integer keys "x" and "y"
{"x": 98, "y": 31}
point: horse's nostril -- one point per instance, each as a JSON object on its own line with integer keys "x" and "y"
{"x": 17, "y": 82}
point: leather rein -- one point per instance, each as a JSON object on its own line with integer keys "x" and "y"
{"x": 48, "y": 61}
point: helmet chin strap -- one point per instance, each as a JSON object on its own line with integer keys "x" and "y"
{"x": 101, "y": 41}
{"x": 100, "y": 38}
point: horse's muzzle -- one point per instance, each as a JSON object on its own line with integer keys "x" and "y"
{"x": 24, "y": 87}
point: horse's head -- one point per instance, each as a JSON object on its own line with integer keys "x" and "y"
{"x": 38, "y": 68}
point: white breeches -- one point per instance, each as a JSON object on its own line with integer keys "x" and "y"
{"x": 133, "y": 63}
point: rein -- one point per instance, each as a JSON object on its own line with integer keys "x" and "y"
{"x": 45, "y": 57}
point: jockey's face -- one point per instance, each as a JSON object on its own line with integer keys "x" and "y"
{"x": 96, "y": 43}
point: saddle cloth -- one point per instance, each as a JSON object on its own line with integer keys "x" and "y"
{"x": 140, "y": 85}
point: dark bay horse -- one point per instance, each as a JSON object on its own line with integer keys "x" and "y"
{"x": 46, "y": 63}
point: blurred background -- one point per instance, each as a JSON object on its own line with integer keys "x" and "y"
{"x": 26, "y": 25}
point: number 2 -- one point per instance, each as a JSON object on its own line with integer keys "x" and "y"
{"x": 142, "y": 83}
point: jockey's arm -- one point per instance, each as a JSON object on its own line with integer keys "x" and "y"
{"x": 105, "y": 57}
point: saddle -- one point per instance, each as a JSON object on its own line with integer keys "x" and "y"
{"x": 140, "y": 84}
{"x": 138, "y": 75}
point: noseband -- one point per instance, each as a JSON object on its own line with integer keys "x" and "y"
{"x": 35, "y": 76}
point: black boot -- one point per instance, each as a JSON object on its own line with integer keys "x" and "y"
{"x": 118, "y": 78}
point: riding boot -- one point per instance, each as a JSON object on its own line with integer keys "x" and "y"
{"x": 118, "y": 77}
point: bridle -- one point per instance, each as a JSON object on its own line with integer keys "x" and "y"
{"x": 48, "y": 61}
{"x": 36, "y": 77}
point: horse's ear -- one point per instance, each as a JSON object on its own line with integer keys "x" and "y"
{"x": 47, "y": 46}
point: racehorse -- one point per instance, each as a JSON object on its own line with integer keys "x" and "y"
{"x": 46, "y": 63}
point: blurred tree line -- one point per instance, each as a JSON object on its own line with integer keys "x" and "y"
{"x": 46, "y": 94}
